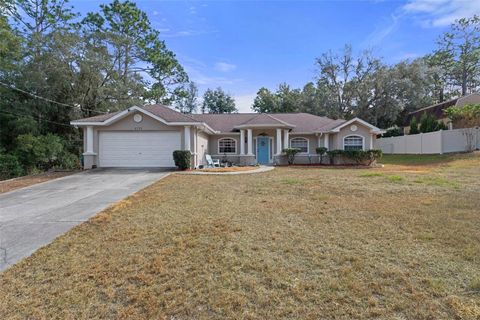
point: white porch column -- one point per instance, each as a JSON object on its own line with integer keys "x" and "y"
{"x": 249, "y": 142}
{"x": 186, "y": 138}
{"x": 90, "y": 139}
{"x": 242, "y": 142}
{"x": 371, "y": 141}
{"x": 195, "y": 150}
{"x": 326, "y": 141}
{"x": 285, "y": 138}
{"x": 279, "y": 142}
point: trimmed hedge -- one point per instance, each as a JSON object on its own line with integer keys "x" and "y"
{"x": 182, "y": 159}
{"x": 359, "y": 156}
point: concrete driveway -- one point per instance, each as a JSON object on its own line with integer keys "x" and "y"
{"x": 33, "y": 216}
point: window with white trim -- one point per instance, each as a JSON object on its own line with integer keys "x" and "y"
{"x": 299, "y": 143}
{"x": 227, "y": 145}
{"x": 353, "y": 143}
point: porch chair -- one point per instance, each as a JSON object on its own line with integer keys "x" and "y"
{"x": 212, "y": 163}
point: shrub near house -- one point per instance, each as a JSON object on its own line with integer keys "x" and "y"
{"x": 182, "y": 159}
{"x": 341, "y": 157}
{"x": 321, "y": 151}
{"x": 291, "y": 153}
{"x": 358, "y": 157}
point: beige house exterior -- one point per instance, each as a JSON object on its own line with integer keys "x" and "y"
{"x": 147, "y": 136}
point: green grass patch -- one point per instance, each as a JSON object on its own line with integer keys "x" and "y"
{"x": 293, "y": 181}
{"x": 417, "y": 159}
{"x": 475, "y": 284}
{"x": 437, "y": 181}
{"x": 395, "y": 178}
{"x": 371, "y": 174}
{"x": 470, "y": 253}
{"x": 437, "y": 285}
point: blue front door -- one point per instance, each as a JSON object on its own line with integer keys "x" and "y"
{"x": 263, "y": 150}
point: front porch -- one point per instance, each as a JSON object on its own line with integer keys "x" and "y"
{"x": 265, "y": 146}
{"x": 263, "y": 139}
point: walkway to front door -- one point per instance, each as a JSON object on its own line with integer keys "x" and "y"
{"x": 263, "y": 150}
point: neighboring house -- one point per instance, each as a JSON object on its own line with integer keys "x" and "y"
{"x": 147, "y": 136}
{"x": 437, "y": 110}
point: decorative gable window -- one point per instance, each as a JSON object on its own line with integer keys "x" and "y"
{"x": 353, "y": 143}
{"x": 299, "y": 143}
{"x": 227, "y": 145}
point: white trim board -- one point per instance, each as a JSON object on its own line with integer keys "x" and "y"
{"x": 373, "y": 129}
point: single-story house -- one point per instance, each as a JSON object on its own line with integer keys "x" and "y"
{"x": 147, "y": 136}
{"x": 437, "y": 110}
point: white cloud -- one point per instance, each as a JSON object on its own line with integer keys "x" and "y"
{"x": 201, "y": 77}
{"x": 199, "y": 72}
{"x": 187, "y": 33}
{"x": 427, "y": 13}
{"x": 211, "y": 82}
{"x": 244, "y": 102}
{"x": 380, "y": 33}
{"x": 438, "y": 13}
{"x": 224, "y": 66}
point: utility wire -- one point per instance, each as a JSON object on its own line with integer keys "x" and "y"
{"x": 38, "y": 119}
{"x": 48, "y": 100}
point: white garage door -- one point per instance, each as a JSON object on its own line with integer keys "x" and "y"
{"x": 138, "y": 148}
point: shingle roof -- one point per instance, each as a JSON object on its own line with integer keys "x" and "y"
{"x": 265, "y": 119}
{"x": 299, "y": 122}
{"x": 306, "y": 122}
{"x": 224, "y": 122}
{"x": 159, "y": 110}
{"x": 168, "y": 114}
{"x": 99, "y": 118}
{"x": 330, "y": 125}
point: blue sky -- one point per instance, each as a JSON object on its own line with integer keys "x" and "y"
{"x": 244, "y": 45}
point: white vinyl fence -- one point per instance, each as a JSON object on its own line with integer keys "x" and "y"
{"x": 443, "y": 141}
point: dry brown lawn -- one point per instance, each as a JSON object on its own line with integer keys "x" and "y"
{"x": 293, "y": 243}
{"x": 22, "y": 182}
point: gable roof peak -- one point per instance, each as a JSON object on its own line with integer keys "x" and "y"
{"x": 263, "y": 119}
